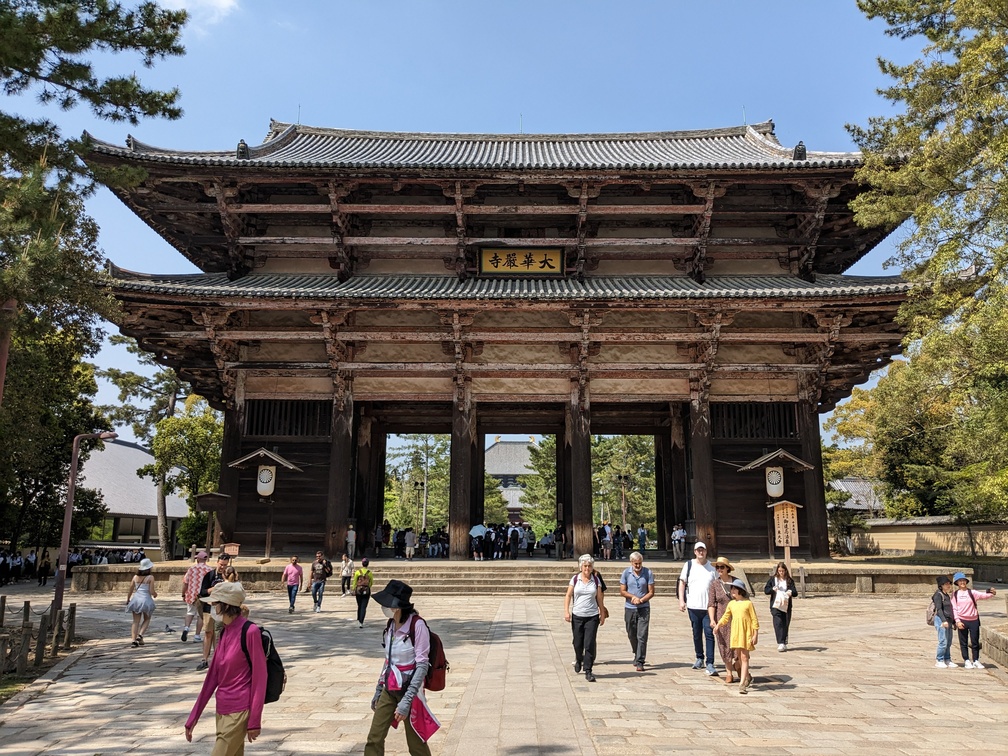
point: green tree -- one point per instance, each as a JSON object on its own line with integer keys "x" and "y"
{"x": 539, "y": 507}
{"x": 157, "y": 396}
{"x": 421, "y": 466}
{"x": 50, "y": 402}
{"x": 187, "y": 451}
{"x": 494, "y": 503}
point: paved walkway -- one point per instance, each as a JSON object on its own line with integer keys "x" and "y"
{"x": 859, "y": 677}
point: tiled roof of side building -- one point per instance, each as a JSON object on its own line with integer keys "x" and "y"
{"x": 421, "y": 287}
{"x": 113, "y": 471}
{"x": 297, "y": 146}
{"x": 508, "y": 458}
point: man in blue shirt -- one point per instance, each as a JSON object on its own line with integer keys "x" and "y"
{"x": 637, "y": 587}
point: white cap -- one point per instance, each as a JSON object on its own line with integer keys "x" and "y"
{"x": 699, "y": 545}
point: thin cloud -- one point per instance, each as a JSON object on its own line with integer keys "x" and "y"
{"x": 203, "y": 13}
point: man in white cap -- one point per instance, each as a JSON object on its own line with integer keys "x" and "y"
{"x": 694, "y": 584}
{"x": 191, "y": 582}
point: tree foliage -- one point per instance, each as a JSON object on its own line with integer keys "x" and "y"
{"x": 187, "y": 450}
{"x": 49, "y": 51}
{"x": 50, "y": 389}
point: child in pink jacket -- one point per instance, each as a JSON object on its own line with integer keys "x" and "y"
{"x": 967, "y": 618}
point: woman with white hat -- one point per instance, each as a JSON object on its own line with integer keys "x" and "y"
{"x": 239, "y": 681}
{"x": 140, "y": 601}
{"x": 967, "y": 618}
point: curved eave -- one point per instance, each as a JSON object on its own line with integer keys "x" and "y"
{"x": 636, "y": 289}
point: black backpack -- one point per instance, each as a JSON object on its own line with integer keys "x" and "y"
{"x": 276, "y": 678}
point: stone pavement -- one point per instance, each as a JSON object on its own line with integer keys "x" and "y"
{"x": 858, "y": 677}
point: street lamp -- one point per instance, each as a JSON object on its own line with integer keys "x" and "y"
{"x": 68, "y": 515}
{"x": 419, "y": 486}
{"x": 624, "y": 480}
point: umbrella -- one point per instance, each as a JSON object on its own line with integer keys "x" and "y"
{"x": 477, "y": 530}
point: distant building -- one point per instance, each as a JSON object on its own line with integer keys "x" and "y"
{"x": 505, "y": 461}
{"x": 131, "y": 500}
{"x": 863, "y": 494}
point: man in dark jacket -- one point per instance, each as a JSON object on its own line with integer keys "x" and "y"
{"x": 209, "y": 581}
{"x": 944, "y": 621}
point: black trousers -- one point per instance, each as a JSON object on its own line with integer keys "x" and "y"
{"x": 362, "y": 602}
{"x": 969, "y": 639}
{"x": 781, "y": 624}
{"x": 585, "y": 630}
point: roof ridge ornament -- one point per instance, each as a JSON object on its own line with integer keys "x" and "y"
{"x": 242, "y": 152}
{"x": 800, "y": 153}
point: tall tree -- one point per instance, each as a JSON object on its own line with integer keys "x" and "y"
{"x": 157, "y": 396}
{"x": 51, "y": 389}
{"x": 49, "y": 261}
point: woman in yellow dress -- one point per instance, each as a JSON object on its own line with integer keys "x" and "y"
{"x": 741, "y": 614}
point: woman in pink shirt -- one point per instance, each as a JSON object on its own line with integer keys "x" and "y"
{"x": 239, "y": 681}
{"x": 293, "y": 579}
{"x": 967, "y": 618}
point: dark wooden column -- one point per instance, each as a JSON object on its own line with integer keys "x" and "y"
{"x": 664, "y": 489}
{"x": 565, "y": 514}
{"x": 363, "y": 511}
{"x": 702, "y": 465}
{"x": 815, "y": 489}
{"x": 463, "y": 451}
{"x": 578, "y": 435}
{"x": 228, "y": 481}
{"x": 680, "y": 482}
{"x": 341, "y": 473}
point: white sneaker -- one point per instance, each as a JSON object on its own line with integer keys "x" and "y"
{"x": 978, "y": 665}
{"x": 360, "y": 624}
{"x": 197, "y": 638}
{"x": 968, "y": 664}
{"x": 941, "y": 665}
{"x": 951, "y": 664}
{"x": 781, "y": 646}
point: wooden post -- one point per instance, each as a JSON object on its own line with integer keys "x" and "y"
{"x": 579, "y": 432}
{"x": 26, "y": 619}
{"x": 787, "y": 557}
{"x": 71, "y": 627}
{"x": 60, "y": 623}
{"x": 43, "y": 637}
{"x": 341, "y": 473}
{"x": 21, "y": 665}
{"x": 4, "y": 652}
{"x": 801, "y": 579}
{"x": 815, "y": 489}
{"x": 463, "y": 447}
{"x": 701, "y": 456}
{"x": 3, "y": 609}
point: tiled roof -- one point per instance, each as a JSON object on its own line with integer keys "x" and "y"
{"x": 426, "y": 288}
{"x": 508, "y": 458}
{"x": 112, "y": 470}
{"x": 297, "y": 146}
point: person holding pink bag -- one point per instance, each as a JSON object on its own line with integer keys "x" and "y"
{"x": 967, "y": 618}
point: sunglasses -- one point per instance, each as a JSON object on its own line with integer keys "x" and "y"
{"x": 721, "y": 567}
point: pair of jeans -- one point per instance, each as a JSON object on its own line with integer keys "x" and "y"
{"x": 292, "y": 591}
{"x": 637, "y": 621}
{"x": 703, "y": 634}
{"x": 971, "y": 634}
{"x": 944, "y": 651}
{"x": 317, "y": 589}
{"x": 382, "y": 720}
{"x": 781, "y": 624}
{"x": 584, "y": 630}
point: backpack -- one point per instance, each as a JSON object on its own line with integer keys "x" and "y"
{"x": 931, "y": 612}
{"x": 361, "y": 585}
{"x": 439, "y": 666}
{"x": 276, "y": 678}
{"x": 328, "y": 568}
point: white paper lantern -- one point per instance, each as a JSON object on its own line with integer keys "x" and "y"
{"x": 266, "y": 480}
{"x": 775, "y": 482}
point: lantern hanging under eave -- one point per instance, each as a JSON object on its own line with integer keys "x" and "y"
{"x": 775, "y": 482}
{"x": 265, "y": 480}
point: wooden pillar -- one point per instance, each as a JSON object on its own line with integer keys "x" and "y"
{"x": 680, "y": 479}
{"x": 145, "y": 538}
{"x": 116, "y": 524}
{"x": 565, "y": 514}
{"x": 578, "y": 437}
{"x": 478, "y": 508}
{"x": 227, "y": 518}
{"x": 363, "y": 511}
{"x": 341, "y": 472}
{"x": 463, "y": 451}
{"x": 702, "y": 465}
{"x": 664, "y": 489}
{"x": 815, "y": 489}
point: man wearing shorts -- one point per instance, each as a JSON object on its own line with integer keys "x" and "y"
{"x": 191, "y": 583}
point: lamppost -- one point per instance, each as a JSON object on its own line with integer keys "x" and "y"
{"x": 68, "y": 515}
{"x": 623, "y": 479}
{"x": 420, "y": 487}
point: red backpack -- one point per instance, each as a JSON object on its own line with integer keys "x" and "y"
{"x": 439, "y": 666}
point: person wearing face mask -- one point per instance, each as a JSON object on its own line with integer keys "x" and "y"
{"x": 399, "y": 695}
{"x": 237, "y": 681}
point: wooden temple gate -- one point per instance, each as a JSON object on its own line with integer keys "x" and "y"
{"x": 684, "y": 285}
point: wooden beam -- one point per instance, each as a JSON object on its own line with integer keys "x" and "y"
{"x": 552, "y": 241}
{"x": 422, "y": 209}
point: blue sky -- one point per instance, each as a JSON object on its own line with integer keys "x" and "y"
{"x": 500, "y": 67}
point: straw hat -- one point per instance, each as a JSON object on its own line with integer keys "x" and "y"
{"x": 723, "y": 561}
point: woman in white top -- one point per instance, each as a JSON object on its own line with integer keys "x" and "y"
{"x": 584, "y": 608}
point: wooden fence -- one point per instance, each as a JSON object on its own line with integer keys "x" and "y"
{"x": 28, "y": 643}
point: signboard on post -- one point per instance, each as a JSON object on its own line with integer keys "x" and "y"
{"x": 785, "y": 526}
